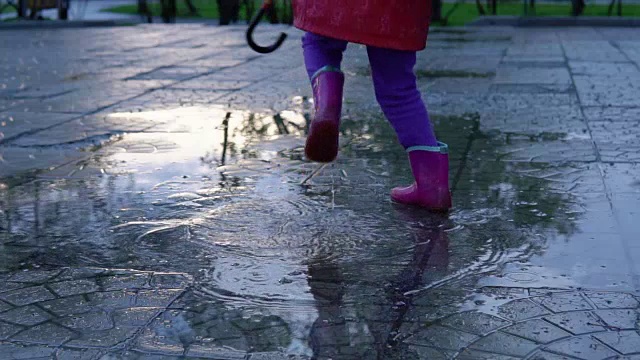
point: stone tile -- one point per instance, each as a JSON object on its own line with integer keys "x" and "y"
{"x": 77, "y": 354}
{"x": 34, "y": 276}
{"x": 279, "y": 356}
{"x": 626, "y": 342}
{"x": 619, "y": 319}
{"x": 27, "y": 296}
{"x": 474, "y": 322}
{"x": 543, "y": 355}
{"x": 82, "y": 101}
{"x": 469, "y": 354}
{"x": 154, "y": 341}
{"x": 537, "y": 330}
{"x": 170, "y": 281}
{"x": 442, "y": 337}
{"x": 535, "y": 50}
{"x": 608, "y": 134}
{"x": 532, "y": 88}
{"x": 6, "y": 330}
{"x": 171, "y": 73}
{"x": 457, "y": 85}
{"x": 619, "y": 153}
{"x": 4, "y": 306}
{"x": 137, "y": 355}
{"x": 501, "y": 343}
{"x": 17, "y": 123}
{"x": 48, "y": 334}
{"x": 93, "y": 320}
{"x": 24, "y": 352}
{"x": 156, "y": 298}
{"x": 600, "y": 68}
{"x": 23, "y": 161}
{"x": 26, "y": 315}
{"x": 210, "y": 352}
{"x": 527, "y": 150}
{"x": 91, "y": 129}
{"x": 592, "y": 50}
{"x": 583, "y": 347}
{"x": 607, "y": 91}
{"x": 532, "y": 75}
{"x": 622, "y": 178}
{"x": 208, "y": 83}
{"x": 604, "y": 300}
{"x": 73, "y": 305}
{"x": 424, "y": 352}
{"x": 103, "y": 338}
{"x": 521, "y": 309}
{"x": 612, "y": 114}
{"x": 8, "y": 104}
{"x": 74, "y": 287}
{"x": 135, "y": 316}
{"x": 118, "y": 299}
{"x": 80, "y": 273}
{"x": 577, "y": 322}
{"x": 563, "y": 302}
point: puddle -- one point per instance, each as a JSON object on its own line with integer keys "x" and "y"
{"x": 296, "y": 258}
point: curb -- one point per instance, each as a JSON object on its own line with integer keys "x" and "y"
{"x": 552, "y": 21}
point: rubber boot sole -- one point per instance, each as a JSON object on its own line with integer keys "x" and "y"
{"x": 322, "y": 142}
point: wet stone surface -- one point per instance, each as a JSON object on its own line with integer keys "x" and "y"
{"x": 155, "y": 202}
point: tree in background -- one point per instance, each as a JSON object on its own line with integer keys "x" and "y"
{"x": 436, "y": 10}
{"x": 229, "y": 11}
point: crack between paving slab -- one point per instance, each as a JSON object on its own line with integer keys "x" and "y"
{"x": 94, "y": 140}
{"x": 149, "y": 91}
{"x": 128, "y": 343}
{"x": 615, "y": 45}
{"x": 83, "y": 115}
{"x": 608, "y": 192}
{"x": 465, "y": 157}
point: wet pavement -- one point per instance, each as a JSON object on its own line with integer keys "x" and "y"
{"x": 155, "y": 202}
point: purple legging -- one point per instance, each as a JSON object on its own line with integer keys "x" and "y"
{"x": 394, "y": 82}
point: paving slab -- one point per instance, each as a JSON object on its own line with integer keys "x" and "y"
{"x": 156, "y": 203}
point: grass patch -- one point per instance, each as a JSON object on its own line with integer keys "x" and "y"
{"x": 207, "y": 9}
{"x": 465, "y": 13}
{"x": 7, "y": 10}
{"x": 430, "y": 74}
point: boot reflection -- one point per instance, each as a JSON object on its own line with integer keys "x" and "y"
{"x": 336, "y": 336}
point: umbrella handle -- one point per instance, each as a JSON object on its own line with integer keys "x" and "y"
{"x": 252, "y": 26}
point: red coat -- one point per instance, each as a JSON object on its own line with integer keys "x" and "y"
{"x": 393, "y": 24}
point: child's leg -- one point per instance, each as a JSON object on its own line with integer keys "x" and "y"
{"x": 322, "y": 57}
{"x": 320, "y": 51}
{"x": 398, "y": 95}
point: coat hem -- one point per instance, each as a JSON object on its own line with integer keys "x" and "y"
{"x": 365, "y": 39}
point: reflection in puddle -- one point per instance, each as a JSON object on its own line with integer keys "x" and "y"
{"x": 331, "y": 268}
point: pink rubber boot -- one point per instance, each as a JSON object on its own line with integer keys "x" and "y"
{"x": 430, "y": 168}
{"x": 322, "y": 141}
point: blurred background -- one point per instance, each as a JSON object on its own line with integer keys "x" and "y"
{"x": 446, "y": 12}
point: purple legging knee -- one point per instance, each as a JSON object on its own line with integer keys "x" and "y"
{"x": 394, "y": 82}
